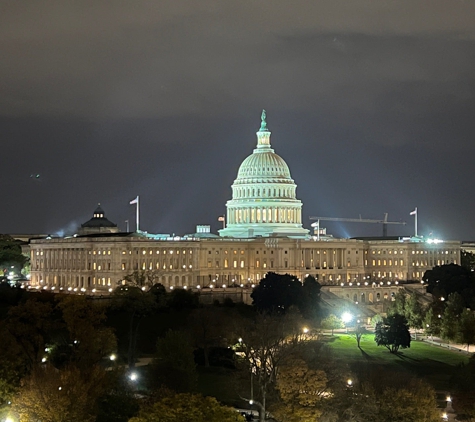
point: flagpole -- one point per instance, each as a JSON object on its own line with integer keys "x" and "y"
{"x": 415, "y": 220}
{"x": 139, "y": 214}
{"x": 127, "y": 225}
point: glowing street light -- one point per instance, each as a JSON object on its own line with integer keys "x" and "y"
{"x": 133, "y": 376}
{"x": 305, "y": 330}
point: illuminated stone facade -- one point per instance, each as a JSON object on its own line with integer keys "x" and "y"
{"x": 263, "y": 233}
{"x": 100, "y": 262}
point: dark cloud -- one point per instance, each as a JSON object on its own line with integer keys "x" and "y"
{"x": 371, "y": 103}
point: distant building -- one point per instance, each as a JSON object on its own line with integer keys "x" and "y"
{"x": 263, "y": 233}
{"x": 98, "y": 224}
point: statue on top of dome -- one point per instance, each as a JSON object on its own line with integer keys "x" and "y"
{"x": 263, "y": 122}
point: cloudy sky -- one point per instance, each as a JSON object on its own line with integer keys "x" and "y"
{"x": 370, "y": 102}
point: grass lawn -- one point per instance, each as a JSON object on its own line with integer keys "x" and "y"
{"x": 435, "y": 364}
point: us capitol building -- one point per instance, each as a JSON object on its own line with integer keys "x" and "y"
{"x": 263, "y": 233}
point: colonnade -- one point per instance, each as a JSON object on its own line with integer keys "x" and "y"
{"x": 264, "y": 215}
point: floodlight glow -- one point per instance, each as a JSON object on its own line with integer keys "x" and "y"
{"x": 133, "y": 376}
{"x": 346, "y": 317}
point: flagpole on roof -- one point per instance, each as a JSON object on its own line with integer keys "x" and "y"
{"x": 414, "y": 213}
{"x": 136, "y": 202}
{"x": 222, "y": 218}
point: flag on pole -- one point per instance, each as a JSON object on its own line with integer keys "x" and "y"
{"x": 134, "y": 201}
{"x": 221, "y": 218}
{"x": 413, "y": 212}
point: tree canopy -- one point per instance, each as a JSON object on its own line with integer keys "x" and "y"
{"x": 10, "y": 254}
{"x": 277, "y": 293}
{"x": 451, "y": 278}
{"x": 393, "y": 333}
{"x": 189, "y": 408}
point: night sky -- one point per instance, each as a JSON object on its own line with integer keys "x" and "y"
{"x": 370, "y": 102}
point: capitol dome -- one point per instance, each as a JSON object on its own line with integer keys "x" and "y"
{"x": 264, "y": 195}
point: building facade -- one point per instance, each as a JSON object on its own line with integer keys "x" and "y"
{"x": 263, "y": 233}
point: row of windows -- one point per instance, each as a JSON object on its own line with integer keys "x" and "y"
{"x": 241, "y": 252}
{"x": 241, "y": 263}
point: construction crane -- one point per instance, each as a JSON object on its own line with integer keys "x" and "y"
{"x": 384, "y": 222}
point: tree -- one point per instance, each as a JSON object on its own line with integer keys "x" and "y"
{"x": 409, "y": 306}
{"x": 139, "y": 297}
{"x": 180, "y": 299}
{"x": 358, "y": 333}
{"x": 277, "y": 293}
{"x": 32, "y": 325}
{"x": 433, "y": 320}
{"x": 451, "y": 278}
{"x": 414, "y": 312}
{"x": 301, "y": 390}
{"x": 414, "y": 402}
{"x": 310, "y": 304}
{"x": 467, "y": 260}
{"x": 398, "y": 305}
{"x": 393, "y": 333}
{"x": 450, "y": 319}
{"x": 207, "y": 328}
{"x": 332, "y": 322}
{"x": 267, "y": 341}
{"x": 174, "y": 366}
{"x": 189, "y": 408}
{"x": 49, "y": 395}
{"x": 11, "y": 255}
{"x": 89, "y": 341}
{"x": 466, "y": 328}
{"x": 404, "y": 400}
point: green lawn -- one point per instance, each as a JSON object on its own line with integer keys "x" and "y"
{"x": 435, "y": 364}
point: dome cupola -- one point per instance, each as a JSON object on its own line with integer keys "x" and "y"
{"x": 264, "y": 195}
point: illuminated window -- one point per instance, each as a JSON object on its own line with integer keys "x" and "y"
{"x": 235, "y": 264}
{"x": 226, "y": 264}
{"x": 242, "y": 263}
{"x": 258, "y": 264}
